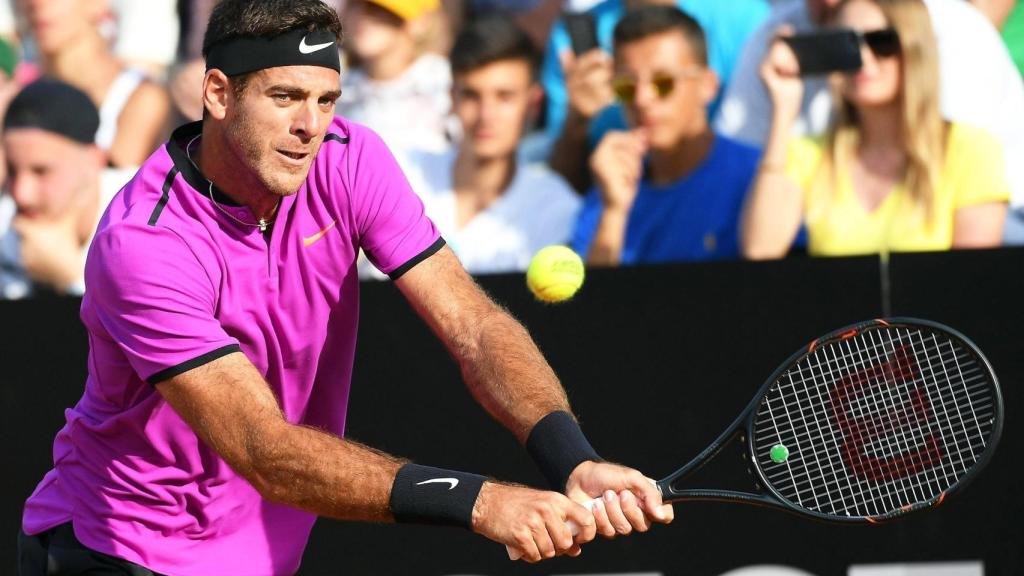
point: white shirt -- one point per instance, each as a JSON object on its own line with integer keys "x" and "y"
{"x": 146, "y": 31}
{"x": 14, "y": 282}
{"x": 409, "y": 112}
{"x": 536, "y": 210}
{"x": 978, "y": 82}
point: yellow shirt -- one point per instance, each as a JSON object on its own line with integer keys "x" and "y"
{"x": 838, "y": 224}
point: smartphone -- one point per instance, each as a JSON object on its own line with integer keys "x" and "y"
{"x": 826, "y": 51}
{"x": 582, "y": 31}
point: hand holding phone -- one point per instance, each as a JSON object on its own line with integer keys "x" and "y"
{"x": 582, "y": 31}
{"x": 780, "y": 71}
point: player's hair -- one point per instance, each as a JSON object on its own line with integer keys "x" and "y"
{"x": 492, "y": 38}
{"x": 266, "y": 19}
{"x": 654, "y": 19}
{"x": 924, "y": 130}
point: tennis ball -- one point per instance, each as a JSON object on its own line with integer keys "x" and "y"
{"x": 555, "y": 274}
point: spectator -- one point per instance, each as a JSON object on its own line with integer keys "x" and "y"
{"x": 669, "y": 189}
{"x": 891, "y": 174}
{"x": 494, "y": 211}
{"x": 133, "y": 109}
{"x": 979, "y": 85}
{"x": 396, "y": 88}
{"x": 580, "y": 103}
{"x": 57, "y": 189}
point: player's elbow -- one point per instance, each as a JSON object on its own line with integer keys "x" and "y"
{"x": 265, "y": 463}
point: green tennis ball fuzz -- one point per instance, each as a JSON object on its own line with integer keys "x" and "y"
{"x": 555, "y": 274}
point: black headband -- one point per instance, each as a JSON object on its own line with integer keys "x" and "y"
{"x": 55, "y": 107}
{"x": 245, "y": 54}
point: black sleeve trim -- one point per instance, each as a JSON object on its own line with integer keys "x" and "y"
{"x": 430, "y": 251}
{"x": 336, "y": 138}
{"x": 164, "y": 197}
{"x": 193, "y": 363}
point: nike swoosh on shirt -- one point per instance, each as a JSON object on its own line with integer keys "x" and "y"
{"x": 312, "y": 239}
{"x": 452, "y": 482}
{"x": 307, "y": 49}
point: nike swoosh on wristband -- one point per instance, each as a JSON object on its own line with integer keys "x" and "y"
{"x": 307, "y": 49}
{"x": 452, "y": 482}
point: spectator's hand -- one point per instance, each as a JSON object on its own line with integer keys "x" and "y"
{"x": 630, "y": 499}
{"x": 588, "y": 81}
{"x": 781, "y": 74}
{"x": 50, "y": 252}
{"x": 531, "y": 522}
{"x": 618, "y": 164}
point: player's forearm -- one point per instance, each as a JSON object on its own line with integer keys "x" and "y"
{"x": 507, "y": 374}
{"x": 311, "y": 470}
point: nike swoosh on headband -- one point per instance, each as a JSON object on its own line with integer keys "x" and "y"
{"x": 307, "y": 49}
{"x": 452, "y": 482}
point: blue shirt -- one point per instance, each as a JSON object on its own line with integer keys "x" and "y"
{"x": 727, "y": 24}
{"x": 695, "y": 218}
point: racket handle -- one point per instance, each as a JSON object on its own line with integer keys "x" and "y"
{"x": 572, "y": 526}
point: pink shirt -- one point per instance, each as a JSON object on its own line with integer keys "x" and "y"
{"x": 173, "y": 283}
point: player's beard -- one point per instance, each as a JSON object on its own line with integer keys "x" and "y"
{"x": 252, "y": 147}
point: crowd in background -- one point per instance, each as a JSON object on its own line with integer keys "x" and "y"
{"x": 685, "y": 133}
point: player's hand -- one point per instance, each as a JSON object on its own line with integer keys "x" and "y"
{"x": 780, "y": 72}
{"x": 618, "y": 164}
{"x": 588, "y": 82}
{"x": 531, "y": 522}
{"x": 630, "y": 501}
{"x": 50, "y": 252}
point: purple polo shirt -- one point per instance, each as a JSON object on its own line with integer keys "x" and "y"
{"x": 173, "y": 283}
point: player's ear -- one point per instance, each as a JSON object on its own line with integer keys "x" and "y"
{"x": 216, "y": 89}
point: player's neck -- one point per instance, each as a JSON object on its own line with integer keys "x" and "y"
{"x": 669, "y": 165}
{"x": 221, "y": 166}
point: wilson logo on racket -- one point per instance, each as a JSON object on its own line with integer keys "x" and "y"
{"x": 895, "y": 438}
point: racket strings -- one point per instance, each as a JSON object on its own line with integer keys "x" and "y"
{"x": 875, "y": 423}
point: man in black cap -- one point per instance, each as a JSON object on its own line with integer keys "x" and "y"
{"x": 56, "y": 189}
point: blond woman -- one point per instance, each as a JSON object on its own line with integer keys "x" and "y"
{"x": 891, "y": 174}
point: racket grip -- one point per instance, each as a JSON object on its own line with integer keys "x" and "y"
{"x": 572, "y": 526}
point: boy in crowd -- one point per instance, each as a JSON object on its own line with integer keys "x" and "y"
{"x": 669, "y": 189}
{"x": 57, "y": 189}
{"x": 494, "y": 210}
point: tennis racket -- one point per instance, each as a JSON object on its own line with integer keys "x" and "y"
{"x": 863, "y": 425}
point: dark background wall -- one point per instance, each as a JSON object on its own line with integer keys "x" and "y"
{"x": 656, "y": 362}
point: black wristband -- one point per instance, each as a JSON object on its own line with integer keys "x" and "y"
{"x": 428, "y": 495}
{"x": 558, "y": 446}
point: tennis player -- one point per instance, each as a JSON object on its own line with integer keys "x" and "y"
{"x": 221, "y": 305}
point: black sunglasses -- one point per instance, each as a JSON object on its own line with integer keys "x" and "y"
{"x": 883, "y": 43}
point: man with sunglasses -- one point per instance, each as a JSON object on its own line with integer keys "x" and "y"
{"x": 978, "y": 82}
{"x": 668, "y": 189}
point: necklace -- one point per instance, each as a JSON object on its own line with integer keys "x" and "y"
{"x": 262, "y": 224}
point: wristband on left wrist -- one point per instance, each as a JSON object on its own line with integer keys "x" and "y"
{"x": 558, "y": 446}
